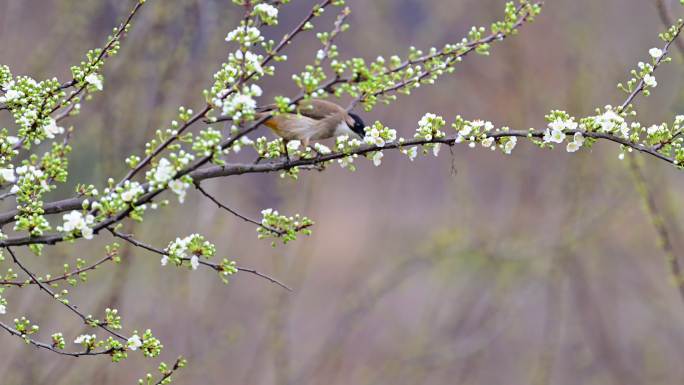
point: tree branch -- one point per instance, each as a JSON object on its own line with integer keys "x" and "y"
{"x": 213, "y": 266}
{"x": 42, "y": 345}
{"x": 110, "y": 256}
{"x": 664, "y": 14}
{"x": 86, "y": 319}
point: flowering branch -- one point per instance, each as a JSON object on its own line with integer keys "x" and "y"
{"x": 665, "y": 17}
{"x": 220, "y": 268}
{"x": 112, "y": 255}
{"x": 88, "y": 320}
{"x": 184, "y": 153}
{"x": 51, "y": 347}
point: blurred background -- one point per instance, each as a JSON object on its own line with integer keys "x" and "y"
{"x": 471, "y": 268}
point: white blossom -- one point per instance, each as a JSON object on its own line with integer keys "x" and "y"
{"x": 346, "y": 162}
{"x": 655, "y": 53}
{"x": 179, "y": 188}
{"x": 655, "y": 129}
{"x": 164, "y": 171}
{"x": 436, "y": 148}
{"x": 650, "y": 81}
{"x": 134, "y": 342}
{"x": 510, "y": 144}
{"x": 94, "y": 80}
{"x": 239, "y": 105}
{"x": 11, "y": 95}
{"x": 178, "y": 251}
{"x": 267, "y": 13}
{"x": 3, "y": 309}
{"x": 245, "y": 35}
{"x": 52, "y": 129}
{"x": 293, "y": 145}
{"x": 322, "y": 149}
{"x": 256, "y": 90}
{"x": 134, "y": 189}
{"x": 576, "y": 143}
{"x": 320, "y": 55}
{"x": 7, "y": 175}
{"x": 194, "y": 262}
{"x": 84, "y": 339}
{"x": 266, "y": 9}
{"x": 251, "y": 60}
{"x": 554, "y": 132}
{"x": 411, "y": 152}
{"x": 610, "y": 121}
{"x": 76, "y": 221}
{"x": 488, "y": 142}
{"x": 377, "y": 158}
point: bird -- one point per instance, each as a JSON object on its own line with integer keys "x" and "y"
{"x": 312, "y": 119}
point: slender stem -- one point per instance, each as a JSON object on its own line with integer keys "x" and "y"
{"x": 65, "y": 276}
{"x": 42, "y": 345}
{"x": 665, "y": 17}
{"x": 213, "y": 266}
{"x": 86, "y": 319}
{"x": 642, "y": 84}
{"x": 199, "y": 175}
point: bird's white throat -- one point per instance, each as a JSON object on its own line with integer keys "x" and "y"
{"x": 343, "y": 129}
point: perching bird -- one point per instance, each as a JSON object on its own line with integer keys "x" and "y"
{"x": 313, "y": 119}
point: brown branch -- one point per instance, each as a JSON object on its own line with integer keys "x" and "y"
{"x": 169, "y": 373}
{"x": 452, "y": 59}
{"x": 86, "y": 319}
{"x": 277, "y": 232}
{"x": 283, "y": 165}
{"x": 123, "y": 27}
{"x": 641, "y": 85}
{"x": 214, "y": 266}
{"x": 202, "y": 114}
{"x": 664, "y": 14}
{"x": 110, "y": 256}
{"x": 42, "y": 345}
{"x": 69, "y": 204}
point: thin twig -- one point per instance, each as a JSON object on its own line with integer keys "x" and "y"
{"x": 207, "y": 108}
{"x": 110, "y": 256}
{"x": 664, "y": 14}
{"x": 168, "y": 374}
{"x": 213, "y": 266}
{"x": 642, "y": 84}
{"x": 279, "y": 233}
{"x": 51, "y": 348}
{"x": 103, "y": 54}
{"x": 86, "y": 319}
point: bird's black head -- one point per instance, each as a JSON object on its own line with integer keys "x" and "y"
{"x": 358, "y": 126}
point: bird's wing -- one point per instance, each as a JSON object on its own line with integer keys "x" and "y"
{"x": 319, "y": 109}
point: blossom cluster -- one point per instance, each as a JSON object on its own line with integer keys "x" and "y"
{"x": 78, "y": 224}
{"x": 189, "y": 249}
{"x": 275, "y": 225}
{"x": 378, "y": 135}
